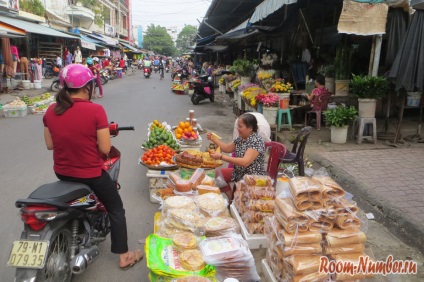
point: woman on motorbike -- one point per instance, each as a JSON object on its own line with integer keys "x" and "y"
{"x": 77, "y": 131}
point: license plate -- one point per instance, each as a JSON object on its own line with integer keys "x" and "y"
{"x": 28, "y": 254}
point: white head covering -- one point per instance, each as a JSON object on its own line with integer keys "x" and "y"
{"x": 264, "y": 130}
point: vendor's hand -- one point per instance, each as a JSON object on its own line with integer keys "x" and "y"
{"x": 209, "y": 135}
{"x": 216, "y": 156}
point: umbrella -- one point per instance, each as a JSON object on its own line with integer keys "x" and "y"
{"x": 8, "y": 70}
{"x": 395, "y": 33}
{"x": 408, "y": 67}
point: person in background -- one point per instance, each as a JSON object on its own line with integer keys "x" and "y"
{"x": 59, "y": 61}
{"x": 75, "y": 122}
{"x": 68, "y": 59}
{"x": 320, "y": 89}
{"x": 106, "y": 63}
{"x": 249, "y": 150}
{"x": 97, "y": 75}
{"x": 122, "y": 64}
{"x": 15, "y": 56}
{"x": 65, "y": 54}
{"x": 162, "y": 64}
{"x": 78, "y": 56}
{"x": 204, "y": 68}
{"x": 209, "y": 69}
{"x": 24, "y": 67}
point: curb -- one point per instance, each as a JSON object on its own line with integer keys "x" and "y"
{"x": 393, "y": 219}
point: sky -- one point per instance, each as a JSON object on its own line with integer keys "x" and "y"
{"x": 168, "y": 13}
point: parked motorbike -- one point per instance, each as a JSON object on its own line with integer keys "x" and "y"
{"x": 203, "y": 87}
{"x": 147, "y": 72}
{"x": 104, "y": 76}
{"x": 63, "y": 224}
{"x": 55, "y": 86}
{"x": 51, "y": 70}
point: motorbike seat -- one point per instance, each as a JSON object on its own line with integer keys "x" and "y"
{"x": 60, "y": 191}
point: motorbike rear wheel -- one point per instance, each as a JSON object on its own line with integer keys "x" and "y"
{"x": 55, "y": 86}
{"x": 212, "y": 98}
{"x": 48, "y": 74}
{"x": 57, "y": 264}
{"x": 195, "y": 100}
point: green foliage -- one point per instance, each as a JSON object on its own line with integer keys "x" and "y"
{"x": 99, "y": 15}
{"x": 327, "y": 71}
{"x": 158, "y": 40}
{"x": 342, "y": 62}
{"x": 340, "y": 116}
{"x": 32, "y": 6}
{"x": 243, "y": 67}
{"x": 186, "y": 38}
{"x": 369, "y": 87}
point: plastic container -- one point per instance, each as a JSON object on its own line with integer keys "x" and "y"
{"x": 26, "y": 84}
{"x": 284, "y": 100}
{"x": 31, "y": 85}
{"x": 37, "y": 84}
{"x": 413, "y": 99}
{"x": 157, "y": 180}
{"x": 15, "y": 113}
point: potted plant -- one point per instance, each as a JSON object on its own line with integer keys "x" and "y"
{"x": 270, "y": 103}
{"x": 339, "y": 118}
{"x": 328, "y": 71}
{"x": 342, "y": 64}
{"x": 244, "y": 68}
{"x": 368, "y": 89}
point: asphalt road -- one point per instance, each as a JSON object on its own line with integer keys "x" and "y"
{"x": 133, "y": 100}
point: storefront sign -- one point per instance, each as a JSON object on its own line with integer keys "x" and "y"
{"x": 88, "y": 45}
{"x": 109, "y": 30}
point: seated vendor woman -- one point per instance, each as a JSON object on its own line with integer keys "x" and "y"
{"x": 320, "y": 89}
{"x": 249, "y": 150}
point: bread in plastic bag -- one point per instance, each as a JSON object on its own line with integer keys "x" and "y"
{"x": 260, "y": 205}
{"x": 257, "y": 180}
{"x": 310, "y": 202}
{"x": 298, "y": 249}
{"x": 329, "y": 187}
{"x": 302, "y": 264}
{"x": 302, "y": 187}
{"x": 261, "y": 193}
{"x": 162, "y": 259}
{"x": 352, "y": 248}
{"x": 339, "y": 237}
{"x": 289, "y": 217}
{"x": 192, "y": 260}
{"x": 184, "y": 219}
{"x": 203, "y": 189}
{"x": 178, "y": 202}
{"x": 219, "y": 226}
{"x": 197, "y": 177}
{"x": 184, "y": 241}
{"x": 211, "y": 204}
{"x": 255, "y": 216}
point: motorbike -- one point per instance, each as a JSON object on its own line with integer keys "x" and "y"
{"x": 167, "y": 68}
{"x": 51, "y": 70}
{"x": 55, "y": 86}
{"x": 147, "y": 72}
{"x": 156, "y": 68}
{"x": 104, "y": 76}
{"x": 64, "y": 222}
{"x": 203, "y": 87}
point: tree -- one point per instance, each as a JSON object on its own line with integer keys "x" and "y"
{"x": 186, "y": 38}
{"x": 158, "y": 40}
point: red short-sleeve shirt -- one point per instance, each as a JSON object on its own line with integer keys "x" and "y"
{"x": 74, "y": 135}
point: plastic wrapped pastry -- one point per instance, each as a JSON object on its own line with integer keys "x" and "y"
{"x": 257, "y": 180}
{"x": 329, "y": 186}
{"x": 339, "y": 237}
{"x": 303, "y": 187}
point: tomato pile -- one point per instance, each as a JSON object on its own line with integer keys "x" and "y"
{"x": 155, "y": 156}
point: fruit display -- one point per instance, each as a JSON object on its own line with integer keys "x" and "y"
{"x": 16, "y": 104}
{"x": 41, "y": 109}
{"x": 178, "y": 87}
{"x": 185, "y": 131}
{"x": 155, "y": 156}
{"x": 37, "y": 100}
{"x": 159, "y": 135}
{"x": 26, "y": 100}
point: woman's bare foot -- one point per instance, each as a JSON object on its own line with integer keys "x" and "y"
{"x": 129, "y": 259}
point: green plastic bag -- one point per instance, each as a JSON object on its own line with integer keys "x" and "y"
{"x": 162, "y": 259}
{"x": 157, "y": 278}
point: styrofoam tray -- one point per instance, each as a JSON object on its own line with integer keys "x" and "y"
{"x": 255, "y": 241}
{"x": 269, "y": 276}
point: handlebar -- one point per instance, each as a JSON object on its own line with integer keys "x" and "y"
{"x": 126, "y": 128}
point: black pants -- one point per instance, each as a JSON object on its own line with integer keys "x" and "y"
{"x": 299, "y": 114}
{"x": 105, "y": 190}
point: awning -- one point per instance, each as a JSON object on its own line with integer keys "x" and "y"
{"x": 128, "y": 46}
{"x": 207, "y": 39}
{"x": 87, "y": 42}
{"x": 108, "y": 40}
{"x": 238, "y": 34}
{"x": 34, "y": 28}
{"x": 10, "y": 31}
{"x": 267, "y": 8}
{"x": 216, "y": 48}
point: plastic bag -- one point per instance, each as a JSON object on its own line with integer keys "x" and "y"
{"x": 260, "y": 205}
{"x": 261, "y": 193}
{"x": 219, "y": 179}
{"x": 162, "y": 259}
{"x": 212, "y": 204}
{"x": 257, "y": 180}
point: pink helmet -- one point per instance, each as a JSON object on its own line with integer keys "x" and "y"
{"x": 75, "y": 76}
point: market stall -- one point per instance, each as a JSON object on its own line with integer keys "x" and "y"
{"x": 198, "y": 235}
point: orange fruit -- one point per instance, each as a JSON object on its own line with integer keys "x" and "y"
{"x": 186, "y": 124}
{"x": 185, "y": 130}
{"x": 178, "y": 136}
{"x": 180, "y": 130}
{"x": 190, "y": 129}
{"x": 181, "y": 124}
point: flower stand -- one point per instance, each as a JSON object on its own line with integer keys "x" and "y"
{"x": 270, "y": 114}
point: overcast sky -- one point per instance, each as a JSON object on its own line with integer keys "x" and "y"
{"x": 168, "y": 13}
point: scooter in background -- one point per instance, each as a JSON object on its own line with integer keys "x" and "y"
{"x": 203, "y": 88}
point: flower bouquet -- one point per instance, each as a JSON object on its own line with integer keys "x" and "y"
{"x": 245, "y": 86}
{"x": 271, "y": 100}
{"x": 262, "y": 75}
{"x": 250, "y": 93}
{"x": 221, "y": 81}
{"x": 281, "y": 87}
{"x": 235, "y": 84}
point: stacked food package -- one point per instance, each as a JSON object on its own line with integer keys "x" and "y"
{"x": 197, "y": 235}
{"x": 313, "y": 220}
{"x": 254, "y": 200}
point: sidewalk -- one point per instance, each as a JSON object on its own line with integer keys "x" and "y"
{"x": 45, "y": 87}
{"x": 386, "y": 181}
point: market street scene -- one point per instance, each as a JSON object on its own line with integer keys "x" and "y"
{"x": 212, "y": 141}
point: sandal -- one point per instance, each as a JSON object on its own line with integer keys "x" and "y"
{"x": 136, "y": 257}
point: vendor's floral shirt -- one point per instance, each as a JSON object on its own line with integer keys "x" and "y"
{"x": 255, "y": 142}
{"x": 315, "y": 104}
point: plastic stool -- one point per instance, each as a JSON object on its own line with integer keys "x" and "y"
{"x": 360, "y": 124}
{"x": 287, "y": 121}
